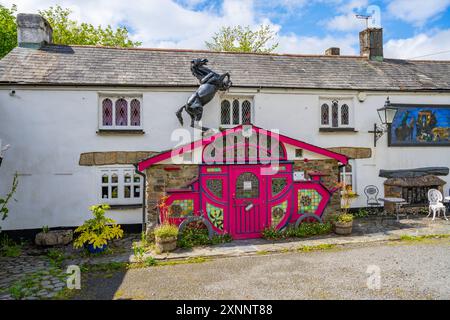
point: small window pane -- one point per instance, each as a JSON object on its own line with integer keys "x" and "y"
{"x": 127, "y": 178}
{"x": 107, "y": 112}
{"x": 105, "y": 178}
{"x": 127, "y": 191}
{"x": 121, "y": 112}
{"x": 344, "y": 114}
{"x": 136, "y": 179}
{"x": 135, "y": 112}
{"x": 114, "y": 178}
{"x": 335, "y": 114}
{"x": 246, "y": 112}
{"x": 115, "y": 192}
{"x": 236, "y": 112}
{"x": 325, "y": 114}
{"x": 137, "y": 191}
{"x": 225, "y": 112}
{"x": 104, "y": 192}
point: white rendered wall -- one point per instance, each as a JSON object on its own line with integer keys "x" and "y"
{"x": 48, "y": 128}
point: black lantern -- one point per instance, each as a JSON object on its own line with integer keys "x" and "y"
{"x": 387, "y": 115}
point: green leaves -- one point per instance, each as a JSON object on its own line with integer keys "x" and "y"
{"x": 243, "y": 39}
{"x": 99, "y": 230}
{"x": 4, "y": 201}
{"x": 70, "y": 32}
{"x": 8, "y": 30}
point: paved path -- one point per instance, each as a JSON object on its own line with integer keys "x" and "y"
{"x": 416, "y": 270}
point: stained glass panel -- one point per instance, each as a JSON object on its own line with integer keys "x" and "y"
{"x": 247, "y": 186}
{"x": 344, "y": 114}
{"x": 135, "y": 112}
{"x": 278, "y": 185}
{"x": 278, "y": 213}
{"x": 325, "y": 114}
{"x": 181, "y": 208}
{"x": 335, "y": 114}
{"x": 215, "y": 215}
{"x": 246, "y": 112}
{"x": 215, "y": 187}
{"x": 225, "y": 112}
{"x": 107, "y": 112}
{"x": 308, "y": 200}
{"x": 235, "y": 111}
{"x": 121, "y": 112}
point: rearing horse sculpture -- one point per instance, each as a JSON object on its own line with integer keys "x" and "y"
{"x": 210, "y": 83}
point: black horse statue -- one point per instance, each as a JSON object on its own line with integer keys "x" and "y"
{"x": 210, "y": 83}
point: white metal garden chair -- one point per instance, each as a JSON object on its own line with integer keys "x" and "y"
{"x": 436, "y": 205}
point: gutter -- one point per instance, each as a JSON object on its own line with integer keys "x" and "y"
{"x": 144, "y": 196}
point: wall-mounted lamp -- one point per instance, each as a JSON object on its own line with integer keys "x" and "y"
{"x": 387, "y": 115}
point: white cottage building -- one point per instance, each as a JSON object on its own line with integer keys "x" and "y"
{"x": 79, "y": 117}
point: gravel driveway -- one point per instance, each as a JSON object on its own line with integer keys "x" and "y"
{"x": 408, "y": 271}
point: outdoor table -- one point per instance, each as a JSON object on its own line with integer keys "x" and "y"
{"x": 397, "y": 201}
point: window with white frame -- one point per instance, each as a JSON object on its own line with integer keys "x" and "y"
{"x": 235, "y": 111}
{"x": 346, "y": 175}
{"x": 335, "y": 113}
{"x": 120, "y": 186}
{"x": 120, "y": 112}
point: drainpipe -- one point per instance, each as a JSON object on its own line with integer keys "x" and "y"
{"x": 144, "y": 196}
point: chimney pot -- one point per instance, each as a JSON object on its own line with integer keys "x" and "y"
{"x": 333, "y": 51}
{"x": 371, "y": 43}
{"x": 33, "y": 31}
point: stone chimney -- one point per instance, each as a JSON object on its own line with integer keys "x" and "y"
{"x": 371, "y": 43}
{"x": 333, "y": 51}
{"x": 33, "y": 31}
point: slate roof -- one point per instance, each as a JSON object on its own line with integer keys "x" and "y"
{"x": 103, "y": 66}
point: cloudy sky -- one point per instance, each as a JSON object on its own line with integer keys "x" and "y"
{"x": 412, "y": 28}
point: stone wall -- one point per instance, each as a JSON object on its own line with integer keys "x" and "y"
{"x": 159, "y": 179}
{"x": 113, "y": 157}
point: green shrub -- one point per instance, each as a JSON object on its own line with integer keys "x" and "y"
{"x": 166, "y": 230}
{"x": 306, "y": 229}
{"x": 150, "y": 261}
{"x": 196, "y": 234}
{"x": 8, "y": 248}
{"x": 221, "y": 238}
{"x": 362, "y": 213}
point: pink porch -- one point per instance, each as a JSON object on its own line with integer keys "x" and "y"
{"x": 243, "y": 191}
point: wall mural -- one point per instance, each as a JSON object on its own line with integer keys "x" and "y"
{"x": 420, "y": 125}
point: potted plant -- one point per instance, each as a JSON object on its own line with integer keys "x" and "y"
{"x": 343, "y": 224}
{"x": 95, "y": 233}
{"x": 166, "y": 237}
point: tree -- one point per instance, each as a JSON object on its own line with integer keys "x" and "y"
{"x": 243, "y": 39}
{"x": 70, "y": 32}
{"x": 8, "y": 31}
{"x": 65, "y": 30}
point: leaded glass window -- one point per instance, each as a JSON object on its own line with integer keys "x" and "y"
{"x": 225, "y": 112}
{"x": 235, "y": 111}
{"x": 247, "y": 186}
{"x": 121, "y": 112}
{"x": 325, "y": 114}
{"x": 344, "y": 114}
{"x": 246, "y": 112}
{"x": 278, "y": 185}
{"x": 181, "y": 208}
{"x": 135, "y": 112}
{"x": 335, "y": 114}
{"x": 107, "y": 112}
{"x": 120, "y": 185}
{"x": 308, "y": 200}
{"x": 278, "y": 213}
{"x": 215, "y": 186}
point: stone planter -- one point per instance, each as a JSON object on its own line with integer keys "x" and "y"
{"x": 165, "y": 244}
{"x": 343, "y": 228}
{"x": 54, "y": 238}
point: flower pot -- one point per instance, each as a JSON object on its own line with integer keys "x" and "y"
{"x": 165, "y": 244}
{"x": 90, "y": 247}
{"x": 343, "y": 228}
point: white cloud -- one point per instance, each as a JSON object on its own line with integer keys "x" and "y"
{"x": 315, "y": 45}
{"x": 417, "y": 12}
{"x": 421, "y": 46}
{"x": 347, "y": 20}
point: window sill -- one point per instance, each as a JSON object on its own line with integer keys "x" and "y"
{"x": 119, "y": 131}
{"x": 126, "y": 206}
{"x": 337, "y": 130}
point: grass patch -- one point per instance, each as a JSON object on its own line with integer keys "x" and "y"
{"x": 9, "y": 248}
{"x": 408, "y": 238}
{"x": 319, "y": 247}
{"x": 262, "y": 252}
